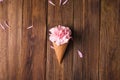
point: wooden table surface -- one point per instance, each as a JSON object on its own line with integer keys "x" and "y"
{"x": 25, "y": 54}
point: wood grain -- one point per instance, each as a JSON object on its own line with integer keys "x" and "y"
{"x": 91, "y": 39}
{"x": 34, "y": 40}
{"x": 25, "y": 54}
{"x": 3, "y": 43}
{"x": 110, "y": 40}
{"x": 27, "y": 42}
{"x": 14, "y": 38}
{"x": 79, "y": 15}
{"x": 86, "y": 35}
{"x": 39, "y": 22}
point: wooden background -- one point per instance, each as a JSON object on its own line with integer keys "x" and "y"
{"x": 25, "y": 54}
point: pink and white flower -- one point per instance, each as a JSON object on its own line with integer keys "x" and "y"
{"x": 60, "y": 35}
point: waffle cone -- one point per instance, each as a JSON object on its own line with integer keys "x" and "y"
{"x": 59, "y": 51}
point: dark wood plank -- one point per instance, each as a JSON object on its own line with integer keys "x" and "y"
{"x": 110, "y": 40}
{"x": 34, "y": 40}
{"x": 39, "y": 32}
{"x": 27, "y": 42}
{"x": 3, "y": 43}
{"x": 14, "y": 38}
{"x": 86, "y": 38}
{"x": 91, "y": 40}
{"x": 79, "y": 12}
{"x": 59, "y": 15}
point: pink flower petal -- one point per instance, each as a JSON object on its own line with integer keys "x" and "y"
{"x": 1, "y": 0}
{"x": 60, "y": 2}
{"x": 65, "y": 2}
{"x": 52, "y": 47}
{"x": 51, "y": 2}
{"x": 30, "y": 27}
{"x": 6, "y": 24}
{"x": 2, "y": 26}
{"x": 80, "y": 54}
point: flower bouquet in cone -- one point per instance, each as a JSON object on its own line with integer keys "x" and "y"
{"x": 60, "y": 36}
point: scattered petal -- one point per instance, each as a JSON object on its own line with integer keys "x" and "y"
{"x": 6, "y": 24}
{"x": 30, "y": 27}
{"x": 51, "y": 3}
{"x": 60, "y": 2}
{"x": 2, "y": 26}
{"x": 1, "y": 0}
{"x": 65, "y": 2}
{"x": 80, "y": 54}
{"x": 52, "y": 47}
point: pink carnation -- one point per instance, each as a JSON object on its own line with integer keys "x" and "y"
{"x": 60, "y": 34}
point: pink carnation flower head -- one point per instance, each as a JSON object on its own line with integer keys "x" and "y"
{"x": 60, "y": 35}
